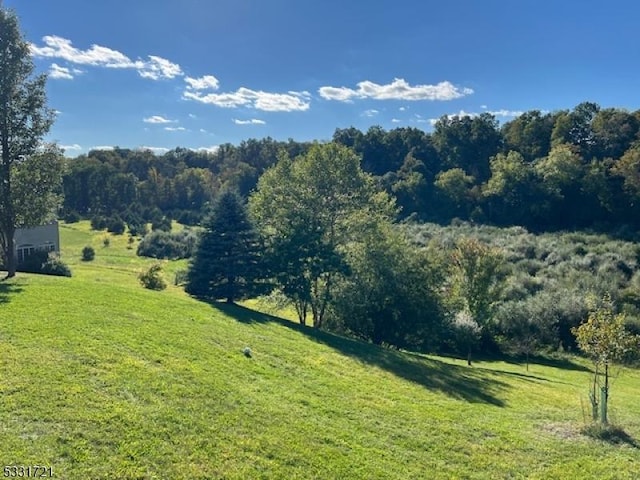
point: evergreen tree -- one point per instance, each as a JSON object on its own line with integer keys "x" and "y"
{"x": 226, "y": 264}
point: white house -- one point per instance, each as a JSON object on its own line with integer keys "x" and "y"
{"x": 43, "y": 237}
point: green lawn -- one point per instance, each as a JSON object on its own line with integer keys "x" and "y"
{"x": 100, "y": 378}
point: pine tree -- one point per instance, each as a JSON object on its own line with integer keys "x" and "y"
{"x": 227, "y": 261}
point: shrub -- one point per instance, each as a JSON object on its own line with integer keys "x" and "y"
{"x": 55, "y": 266}
{"x": 88, "y": 254}
{"x": 106, "y": 242}
{"x": 181, "y": 277}
{"x": 116, "y": 225}
{"x": 45, "y": 263}
{"x": 152, "y": 278}
{"x": 167, "y": 245}
{"x": 71, "y": 217}
{"x": 98, "y": 222}
{"x": 162, "y": 224}
{"x": 137, "y": 229}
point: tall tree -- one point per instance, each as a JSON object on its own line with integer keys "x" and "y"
{"x": 308, "y": 210}
{"x": 391, "y": 294}
{"x": 468, "y": 143}
{"x": 24, "y": 120}
{"x": 227, "y": 261}
{"x": 529, "y": 134}
{"x": 477, "y": 279}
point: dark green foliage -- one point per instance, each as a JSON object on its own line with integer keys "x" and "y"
{"x": 308, "y": 211}
{"x": 168, "y": 245}
{"x": 152, "y": 278}
{"x": 161, "y": 224}
{"x": 390, "y": 296}
{"x": 88, "y": 254}
{"x": 98, "y": 222}
{"x": 137, "y": 229}
{"x": 181, "y": 277}
{"x": 530, "y": 171}
{"x": 29, "y": 178}
{"x": 45, "y": 263}
{"x": 116, "y": 225}
{"x": 55, "y": 266}
{"x": 71, "y": 217}
{"x": 227, "y": 260}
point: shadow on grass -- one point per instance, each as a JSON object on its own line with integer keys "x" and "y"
{"x": 612, "y": 434}
{"x": 460, "y": 382}
{"x": 545, "y": 361}
{"x": 7, "y": 289}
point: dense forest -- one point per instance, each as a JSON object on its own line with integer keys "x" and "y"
{"x": 345, "y": 232}
{"x": 567, "y": 169}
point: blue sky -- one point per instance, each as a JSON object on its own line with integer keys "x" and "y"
{"x": 198, "y": 73}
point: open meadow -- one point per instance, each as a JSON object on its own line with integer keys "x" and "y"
{"x": 103, "y": 379}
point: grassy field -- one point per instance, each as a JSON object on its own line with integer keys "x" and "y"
{"x": 100, "y": 378}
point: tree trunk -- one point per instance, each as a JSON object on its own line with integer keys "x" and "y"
{"x": 469, "y": 357}
{"x": 604, "y": 396}
{"x": 12, "y": 261}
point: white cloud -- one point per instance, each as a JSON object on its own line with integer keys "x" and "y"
{"x": 157, "y": 119}
{"x": 245, "y": 97}
{"x": 399, "y": 89}
{"x": 253, "y": 121}
{"x": 102, "y": 147}
{"x": 58, "y": 72}
{"x": 506, "y": 113}
{"x": 395, "y": 120}
{"x": 75, "y": 146}
{"x": 370, "y": 113}
{"x": 154, "y": 68}
{"x": 496, "y": 113}
{"x": 191, "y": 115}
{"x": 211, "y": 149}
{"x": 202, "y": 130}
{"x": 175, "y": 129}
{"x": 402, "y": 109}
{"x": 208, "y": 82}
{"x": 157, "y": 68}
{"x": 155, "y": 150}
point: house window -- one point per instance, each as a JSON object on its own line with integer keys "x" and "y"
{"x": 48, "y": 247}
{"x": 24, "y": 251}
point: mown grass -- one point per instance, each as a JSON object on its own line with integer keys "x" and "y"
{"x": 101, "y": 378}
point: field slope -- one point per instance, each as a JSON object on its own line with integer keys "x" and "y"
{"x": 100, "y": 378}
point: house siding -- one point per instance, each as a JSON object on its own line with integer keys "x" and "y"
{"x": 43, "y": 237}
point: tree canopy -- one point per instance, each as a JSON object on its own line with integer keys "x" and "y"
{"x": 308, "y": 209}
{"x": 24, "y": 120}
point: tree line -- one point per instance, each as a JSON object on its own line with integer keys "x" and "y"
{"x": 320, "y": 234}
{"x": 567, "y": 169}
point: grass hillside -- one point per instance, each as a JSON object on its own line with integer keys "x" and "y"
{"x": 100, "y": 378}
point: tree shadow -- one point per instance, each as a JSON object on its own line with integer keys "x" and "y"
{"x": 612, "y": 434}
{"x": 7, "y": 289}
{"x": 456, "y": 381}
{"x": 560, "y": 363}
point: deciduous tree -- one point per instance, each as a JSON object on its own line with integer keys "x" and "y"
{"x": 308, "y": 210}
{"x": 24, "y": 120}
{"x": 604, "y": 339}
